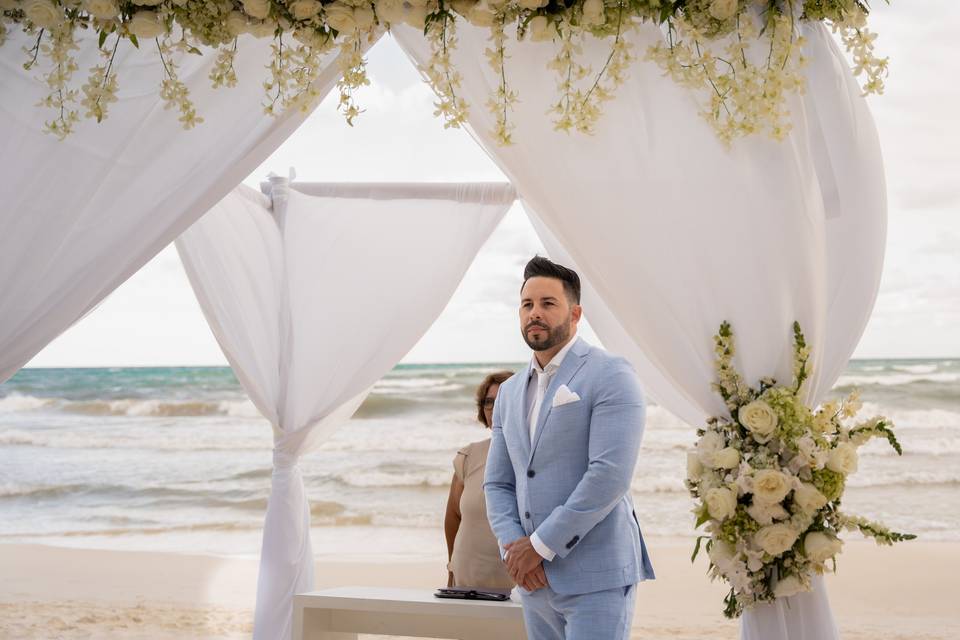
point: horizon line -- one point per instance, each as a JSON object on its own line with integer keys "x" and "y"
{"x": 401, "y": 364}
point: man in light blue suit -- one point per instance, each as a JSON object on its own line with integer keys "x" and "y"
{"x": 566, "y": 434}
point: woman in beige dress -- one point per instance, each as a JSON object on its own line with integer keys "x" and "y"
{"x": 471, "y": 547}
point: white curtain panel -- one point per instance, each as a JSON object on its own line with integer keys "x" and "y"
{"x": 615, "y": 338}
{"x": 312, "y": 303}
{"x": 81, "y": 216}
{"x": 674, "y": 234}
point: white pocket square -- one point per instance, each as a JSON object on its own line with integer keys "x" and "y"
{"x": 564, "y": 396}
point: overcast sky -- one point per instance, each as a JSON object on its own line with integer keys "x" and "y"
{"x": 153, "y": 319}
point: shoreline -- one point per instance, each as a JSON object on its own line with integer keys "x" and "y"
{"x": 880, "y": 593}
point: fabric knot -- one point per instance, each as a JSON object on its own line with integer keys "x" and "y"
{"x": 283, "y": 461}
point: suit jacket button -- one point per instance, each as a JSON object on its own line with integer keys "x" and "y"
{"x": 531, "y": 473}
{"x": 526, "y": 514}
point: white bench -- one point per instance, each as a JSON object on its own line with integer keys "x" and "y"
{"x": 344, "y": 612}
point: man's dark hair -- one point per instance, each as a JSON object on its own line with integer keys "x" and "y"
{"x": 540, "y": 267}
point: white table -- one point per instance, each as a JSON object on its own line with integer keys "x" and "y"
{"x": 344, "y": 612}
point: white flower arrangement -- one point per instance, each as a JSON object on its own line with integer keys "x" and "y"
{"x": 772, "y": 511}
{"x": 744, "y": 55}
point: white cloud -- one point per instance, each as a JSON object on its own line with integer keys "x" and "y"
{"x": 918, "y": 307}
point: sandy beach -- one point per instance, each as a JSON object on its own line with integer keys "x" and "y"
{"x": 49, "y": 592}
{"x": 133, "y": 503}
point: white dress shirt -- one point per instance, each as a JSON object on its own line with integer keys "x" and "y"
{"x": 537, "y": 383}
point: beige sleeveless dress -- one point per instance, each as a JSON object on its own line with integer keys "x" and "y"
{"x": 476, "y": 556}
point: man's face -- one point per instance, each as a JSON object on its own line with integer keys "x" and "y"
{"x": 547, "y": 318}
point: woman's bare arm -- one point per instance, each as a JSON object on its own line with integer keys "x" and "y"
{"x": 451, "y": 521}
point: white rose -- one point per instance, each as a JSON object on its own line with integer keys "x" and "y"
{"x": 263, "y": 28}
{"x": 789, "y": 586}
{"x": 481, "y": 15}
{"x": 306, "y": 9}
{"x": 770, "y": 486}
{"x": 721, "y": 554}
{"x": 339, "y": 16}
{"x": 8, "y": 5}
{"x": 709, "y": 444}
{"x": 759, "y": 419}
{"x": 593, "y": 13}
{"x": 775, "y": 538}
{"x": 532, "y": 4}
{"x": 820, "y": 547}
{"x": 721, "y": 503}
{"x": 727, "y": 458}
{"x": 766, "y": 513}
{"x": 146, "y": 24}
{"x": 463, "y": 7}
{"x": 237, "y": 23}
{"x": 390, "y": 11}
{"x": 102, "y": 9}
{"x": 542, "y": 30}
{"x": 309, "y": 37}
{"x": 416, "y": 16}
{"x": 710, "y": 479}
{"x": 364, "y": 17}
{"x": 810, "y": 453}
{"x": 256, "y": 8}
{"x": 723, "y": 9}
{"x": 808, "y": 498}
{"x": 43, "y": 13}
{"x": 694, "y": 468}
{"x": 843, "y": 459}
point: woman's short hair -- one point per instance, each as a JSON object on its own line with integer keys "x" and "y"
{"x": 497, "y": 378}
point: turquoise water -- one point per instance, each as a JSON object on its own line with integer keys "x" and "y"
{"x": 161, "y": 458}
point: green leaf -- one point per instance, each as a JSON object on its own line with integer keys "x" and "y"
{"x": 103, "y": 38}
{"x": 732, "y": 609}
{"x": 194, "y": 50}
{"x": 900, "y": 537}
{"x": 892, "y": 439}
{"x": 666, "y": 11}
{"x": 133, "y": 39}
{"x": 696, "y": 549}
{"x": 702, "y": 517}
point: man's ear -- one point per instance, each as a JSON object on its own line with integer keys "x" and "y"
{"x": 576, "y": 312}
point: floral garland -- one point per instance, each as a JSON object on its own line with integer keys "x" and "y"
{"x": 744, "y": 55}
{"x": 768, "y": 481}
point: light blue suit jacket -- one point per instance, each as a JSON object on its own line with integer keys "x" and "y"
{"x": 572, "y": 485}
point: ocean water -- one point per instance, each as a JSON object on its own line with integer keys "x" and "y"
{"x": 177, "y": 459}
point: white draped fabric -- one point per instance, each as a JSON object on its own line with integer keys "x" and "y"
{"x": 81, "y": 216}
{"x": 675, "y": 233}
{"x": 805, "y": 616}
{"x": 312, "y": 303}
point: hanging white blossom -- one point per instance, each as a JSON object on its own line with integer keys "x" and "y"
{"x": 743, "y": 57}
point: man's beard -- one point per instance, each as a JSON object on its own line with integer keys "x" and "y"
{"x": 555, "y": 335}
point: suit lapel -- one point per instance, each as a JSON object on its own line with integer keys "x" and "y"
{"x": 523, "y": 430}
{"x": 568, "y": 368}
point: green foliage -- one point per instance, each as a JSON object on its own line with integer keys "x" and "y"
{"x": 739, "y": 526}
{"x": 829, "y": 483}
